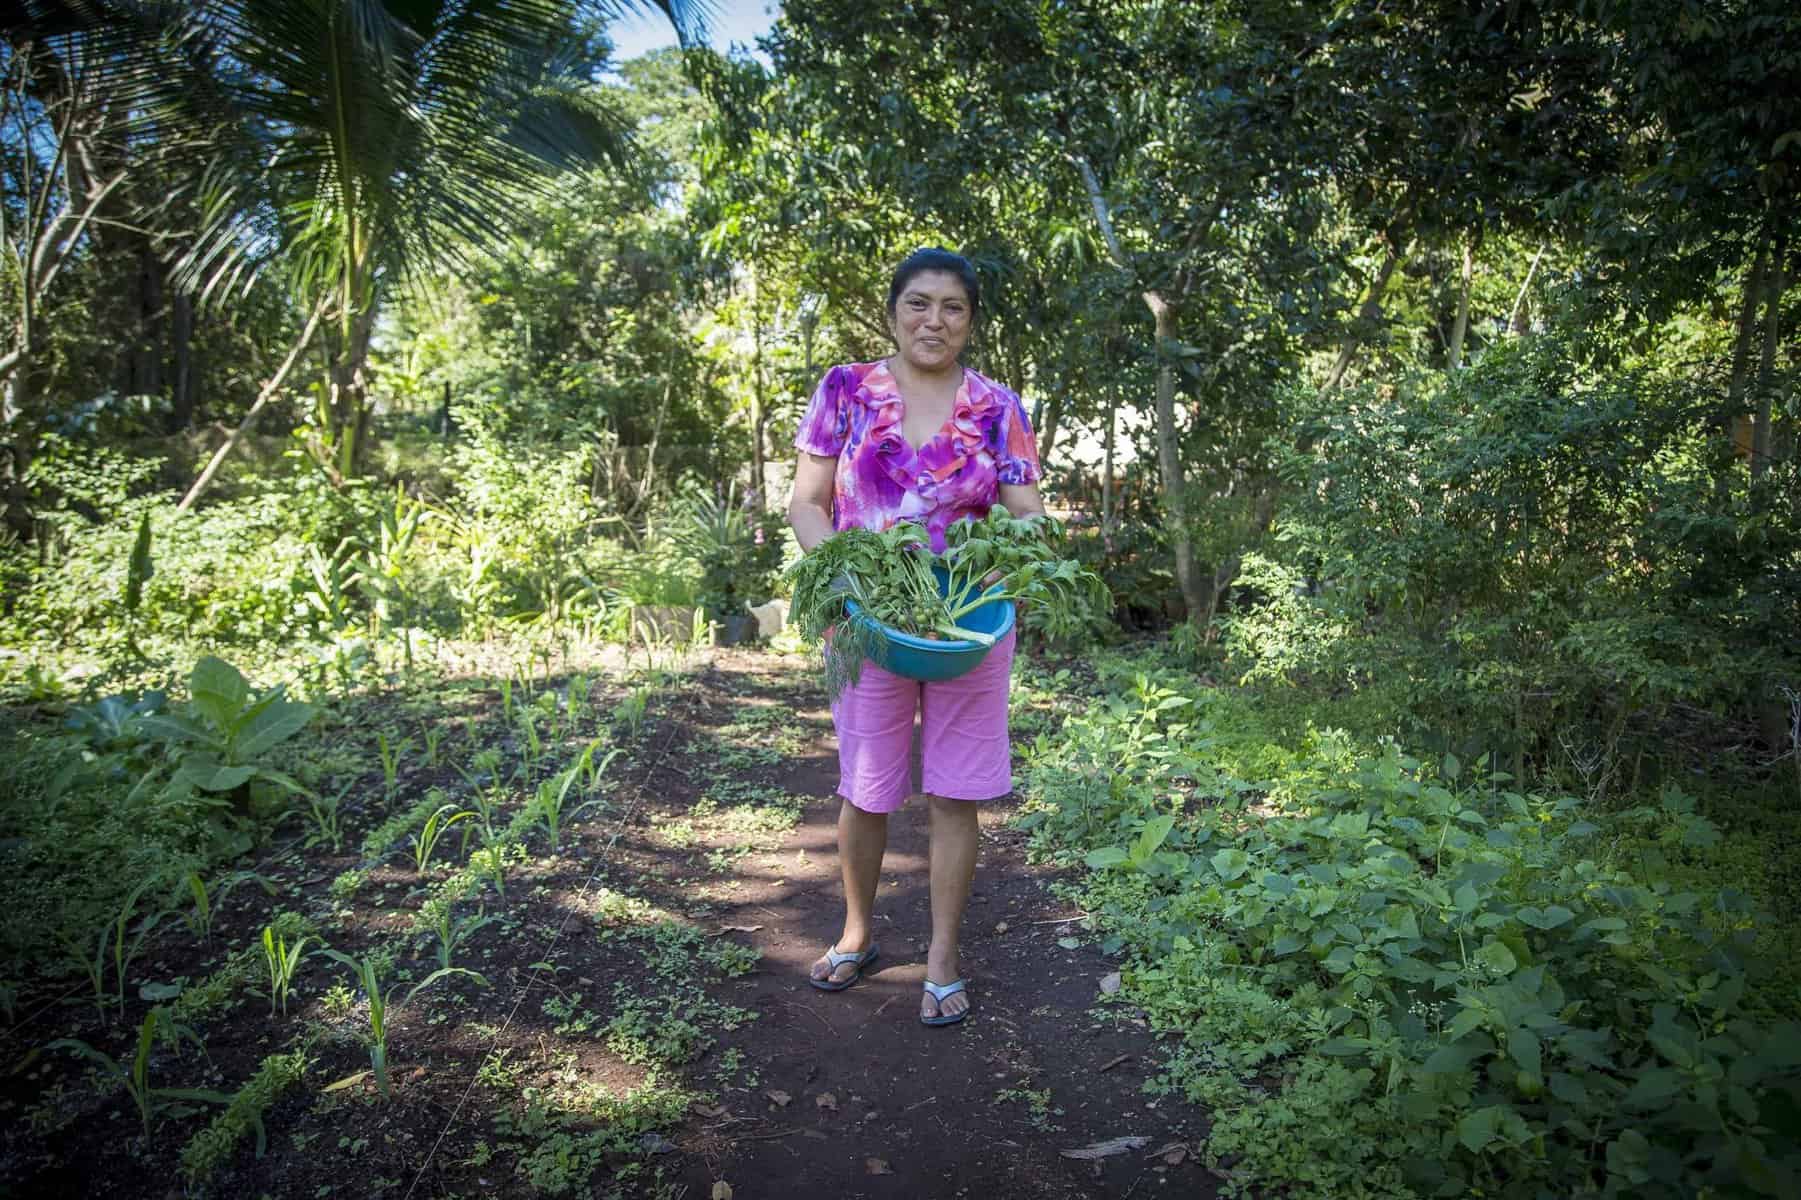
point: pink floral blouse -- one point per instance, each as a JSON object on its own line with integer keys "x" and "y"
{"x": 856, "y": 414}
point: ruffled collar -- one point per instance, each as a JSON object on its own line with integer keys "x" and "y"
{"x": 976, "y": 400}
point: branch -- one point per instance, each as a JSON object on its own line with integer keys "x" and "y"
{"x": 1103, "y": 217}
{"x": 256, "y": 409}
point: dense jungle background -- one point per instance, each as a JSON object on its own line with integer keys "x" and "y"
{"x": 398, "y": 794}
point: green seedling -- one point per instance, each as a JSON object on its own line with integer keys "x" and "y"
{"x": 325, "y": 813}
{"x": 391, "y": 754}
{"x": 593, "y": 769}
{"x": 533, "y": 746}
{"x": 125, "y": 943}
{"x": 136, "y": 1076}
{"x": 453, "y": 931}
{"x": 207, "y": 903}
{"x": 283, "y": 961}
{"x": 381, "y": 1006}
{"x": 554, "y": 792}
{"x": 425, "y": 842}
{"x": 579, "y": 687}
{"x": 434, "y": 734}
{"x": 630, "y": 711}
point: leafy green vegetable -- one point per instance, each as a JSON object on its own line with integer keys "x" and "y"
{"x": 898, "y": 583}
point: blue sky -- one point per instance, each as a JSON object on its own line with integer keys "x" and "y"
{"x": 732, "y": 21}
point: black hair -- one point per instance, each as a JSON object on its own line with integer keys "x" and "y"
{"x": 936, "y": 258}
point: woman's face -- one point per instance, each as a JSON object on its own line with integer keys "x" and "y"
{"x": 931, "y": 320}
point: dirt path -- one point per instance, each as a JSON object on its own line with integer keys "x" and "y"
{"x": 866, "y": 1100}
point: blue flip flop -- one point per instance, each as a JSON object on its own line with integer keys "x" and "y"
{"x": 837, "y": 960}
{"x": 939, "y": 991}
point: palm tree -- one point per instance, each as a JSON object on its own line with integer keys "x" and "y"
{"x": 361, "y": 144}
{"x": 377, "y": 141}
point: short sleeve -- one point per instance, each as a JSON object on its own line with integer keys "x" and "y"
{"x": 1017, "y": 461}
{"x": 824, "y": 425}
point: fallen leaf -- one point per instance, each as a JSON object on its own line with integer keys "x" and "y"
{"x": 1110, "y": 982}
{"x": 779, "y": 1097}
{"x": 722, "y": 1190}
{"x": 1112, "y": 1062}
{"x": 1106, "y": 1149}
{"x": 347, "y": 1081}
{"x": 815, "y": 1135}
{"x": 710, "y": 1110}
{"x": 1174, "y": 1155}
{"x": 739, "y": 928}
{"x": 877, "y": 1166}
{"x": 826, "y": 1100}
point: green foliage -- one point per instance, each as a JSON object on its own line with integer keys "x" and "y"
{"x": 896, "y": 581}
{"x": 282, "y": 961}
{"x": 1395, "y": 978}
{"x": 214, "y": 1146}
{"x": 1525, "y": 552}
{"x": 381, "y": 1003}
{"x": 149, "y": 1099}
{"x": 737, "y": 550}
{"x": 436, "y": 826}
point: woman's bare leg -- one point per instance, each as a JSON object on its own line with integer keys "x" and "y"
{"x": 862, "y": 837}
{"x": 955, "y": 834}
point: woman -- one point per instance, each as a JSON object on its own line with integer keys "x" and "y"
{"x": 917, "y": 437}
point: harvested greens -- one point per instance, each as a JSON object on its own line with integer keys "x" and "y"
{"x": 895, "y": 579}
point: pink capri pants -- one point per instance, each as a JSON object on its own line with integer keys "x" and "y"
{"x": 963, "y": 748}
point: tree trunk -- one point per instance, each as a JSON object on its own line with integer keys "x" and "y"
{"x": 181, "y": 362}
{"x": 1369, "y": 312}
{"x": 1516, "y": 320}
{"x": 1109, "y": 517}
{"x": 145, "y": 370}
{"x": 758, "y": 409}
{"x": 1047, "y": 432}
{"x": 348, "y": 431}
{"x": 1461, "y": 327}
{"x": 1737, "y": 415}
{"x": 1772, "y": 337}
{"x": 1169, "y": 461}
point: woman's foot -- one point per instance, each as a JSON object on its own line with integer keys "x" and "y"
{"x": 847, "y": 970}
{"x": 941, "y": 969}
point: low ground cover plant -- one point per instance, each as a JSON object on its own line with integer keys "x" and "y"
{"x": 1394, "y": 977}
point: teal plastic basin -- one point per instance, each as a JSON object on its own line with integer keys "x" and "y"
{"x": 927, "y": 660}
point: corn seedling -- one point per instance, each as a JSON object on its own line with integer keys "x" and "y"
{"x": 630, "y": 711}
{"x": 453, "y": 931}
{"x": 591, "y": 769}
{"x": 579, "y": 688}
{"x": 491, "y": 860}
{"x": 283, "y": 960}
{"x": 547, "y": 805}
{"x": 434, "y": 734}
{"x": 381, "y": 1006}
{"x": 435, "y": 827}
{"x": 325, "y": 814}
{"x": 208, "y": 902}
{"x": 532, "y": 747}
{"x": 391, "y": 754}
{"x": 136, "y": 1076}
{"x": 506, "y": 698}
{"x": 124, "y": 948}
